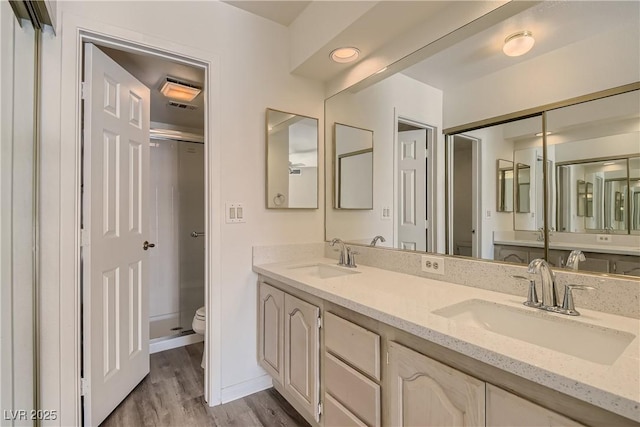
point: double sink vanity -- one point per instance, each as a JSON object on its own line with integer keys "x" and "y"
{"x": 369, "y": 346}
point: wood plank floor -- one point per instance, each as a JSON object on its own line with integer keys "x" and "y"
{"x": 173, "y": 395}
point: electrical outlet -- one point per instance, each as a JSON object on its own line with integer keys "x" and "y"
{"x": 433, "y": 264}
{"x": 603, "y": 238}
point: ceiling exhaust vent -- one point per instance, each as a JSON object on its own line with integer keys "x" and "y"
{"x": 182, "y": 105}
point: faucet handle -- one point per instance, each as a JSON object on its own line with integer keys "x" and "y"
{"x": 351, "y": 257}
{"x": 532, "y": 295}
{"x": 568, "y": 307}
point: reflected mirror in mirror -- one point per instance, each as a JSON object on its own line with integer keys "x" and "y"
{"x": 523, "y": 188}
{"x": 353, "y": 170}
{"x": 634, "y": 194}
{"x": 292, "y": 161}
{"x": 505, "y": 185}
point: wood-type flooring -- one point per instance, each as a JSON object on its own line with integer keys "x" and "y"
{"x": 173, "y": 395}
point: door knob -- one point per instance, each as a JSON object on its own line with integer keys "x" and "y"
{"x": 146, "y": 245}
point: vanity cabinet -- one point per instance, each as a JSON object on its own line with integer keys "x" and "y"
{"x": 271, "y": 331}
{"x": 351, "y": 374}
{"x": 423, "y": 392}
{"x": 301, "y": 352}
{"x": 289, "y": 346}
{"x": 507, "y": 410}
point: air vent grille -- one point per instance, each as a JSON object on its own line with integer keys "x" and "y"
{"x": 182, "y": 82}
{"x": 182, "y": 105}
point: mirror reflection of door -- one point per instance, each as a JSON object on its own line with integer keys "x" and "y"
{"x": 505, "y": 185}
{"x": 412, "y": 186}
{"x": 523, "y": 193}
{"x": 464, "y": 181}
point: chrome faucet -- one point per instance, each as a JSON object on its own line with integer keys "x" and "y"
{"x": 540, "y": 235}
{"x": 548, "y": 279}
{"x": 375, "y": 240}
{"x": 347, "y": 255}
{"x": 574, "y": 258}
{"x": 343, "y": 251}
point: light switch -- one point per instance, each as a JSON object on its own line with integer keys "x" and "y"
{"x": 234, "y": 212}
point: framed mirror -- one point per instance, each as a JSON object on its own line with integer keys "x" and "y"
{"x": 292, "y": 161}
{"x": 353, "y": 167}
{"x": 457, "y": 103}
{"x": 505, "y": 183}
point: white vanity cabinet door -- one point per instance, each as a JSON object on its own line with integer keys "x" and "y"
{"x": 423, "y": 392}
{"x": 508, "y": 410}
{"x": 271, "y": 331}
{"x": 302, "y": 353}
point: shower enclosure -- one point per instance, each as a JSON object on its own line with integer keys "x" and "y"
{"x": 177, "y": 211}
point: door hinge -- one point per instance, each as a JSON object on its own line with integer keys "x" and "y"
{"x": 319, "y": 322}
{"x": 84, "y": 237}
{"x": 84, "y": 387}
{"x": 319, "y": 408}
{"x": 83, "y": 90}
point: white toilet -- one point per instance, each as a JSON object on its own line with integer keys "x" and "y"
{"x": 199, "y": 326}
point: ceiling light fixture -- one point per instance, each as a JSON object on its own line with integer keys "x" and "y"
{"x": 608, "y": 163}
{"x": 382, "y": 70}
{"x": 343, "y": 55}
{"x": 179, "y": 90}
{"x": 518, "y": 43}
{"x": 540, "y": 133}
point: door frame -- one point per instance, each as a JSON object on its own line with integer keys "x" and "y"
{"x": 431, "y": 176}
{"x": 65, "y": 371}
{"x": 476, "y": 194}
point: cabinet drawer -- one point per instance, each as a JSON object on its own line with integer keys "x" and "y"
{"x": 336, "y": 415}
{"x": 356, "y": 345}
{"x": 354, "y": 391}
{"x": 505, "y": 410}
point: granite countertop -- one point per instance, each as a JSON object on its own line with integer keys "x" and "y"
{"x": 407, "y": 302}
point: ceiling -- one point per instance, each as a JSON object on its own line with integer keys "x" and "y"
{"x": 152, "y": 71}
{"x": 282, "y": 12}
{"x": 554, "y": 24}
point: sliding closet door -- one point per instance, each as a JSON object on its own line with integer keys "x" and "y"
{"x": 17, "y": 213}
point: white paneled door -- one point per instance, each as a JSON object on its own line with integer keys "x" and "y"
{"x": 115, "y": 232}
{"x": 412, "y": 190}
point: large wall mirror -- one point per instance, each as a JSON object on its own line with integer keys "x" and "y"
{"x": 498, "y": 158}
{"x": 292, "y": 161}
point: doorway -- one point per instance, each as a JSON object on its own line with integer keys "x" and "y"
{"x": 414, "y": 185}
{"x": 464, "y": 188}
{"x": 143, "y": 215}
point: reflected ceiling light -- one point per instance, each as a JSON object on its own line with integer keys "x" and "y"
{"x": 179, "y": 90}
{"x": 381, "y": 71}
{"x": 608, "y": 163}
{"x": 343, "y": 55}
{"x": 540, "y": 133}
{"x": 518, "y": 43}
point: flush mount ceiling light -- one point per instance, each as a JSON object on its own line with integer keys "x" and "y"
{"x": 179, "y": 90}
{"x": 343, "y": 55}
{"x": 518, "y": 43}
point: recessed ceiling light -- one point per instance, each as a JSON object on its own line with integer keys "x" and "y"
{"x": 179, "y": 90}
{"x": 518, "y": 43}
{"x": 608, "y": 163}
{"x": 382, "y": 70}
{"x": 345, "y": 54}
{"x": 540, "y": 133}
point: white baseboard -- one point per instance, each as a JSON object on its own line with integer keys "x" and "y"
{"x": 158, "y": 345}
{"x": 246, "y": 388}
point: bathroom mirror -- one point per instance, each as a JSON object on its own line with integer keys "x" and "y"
{"x": 595, "y": 146}
{"x": 504, "y": 172}
{"x": 292, "y": 161}
{"x": 426, "y": 111}
{"x": 353, "y": 167}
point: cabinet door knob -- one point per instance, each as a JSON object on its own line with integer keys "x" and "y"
{"x": 146, "y": 245}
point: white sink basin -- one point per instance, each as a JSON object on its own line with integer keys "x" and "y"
{"x": 323, "y": 271}
{"x": 588, "y": 342}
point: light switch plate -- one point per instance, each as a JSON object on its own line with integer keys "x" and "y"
{"x": 234, "y": 212}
